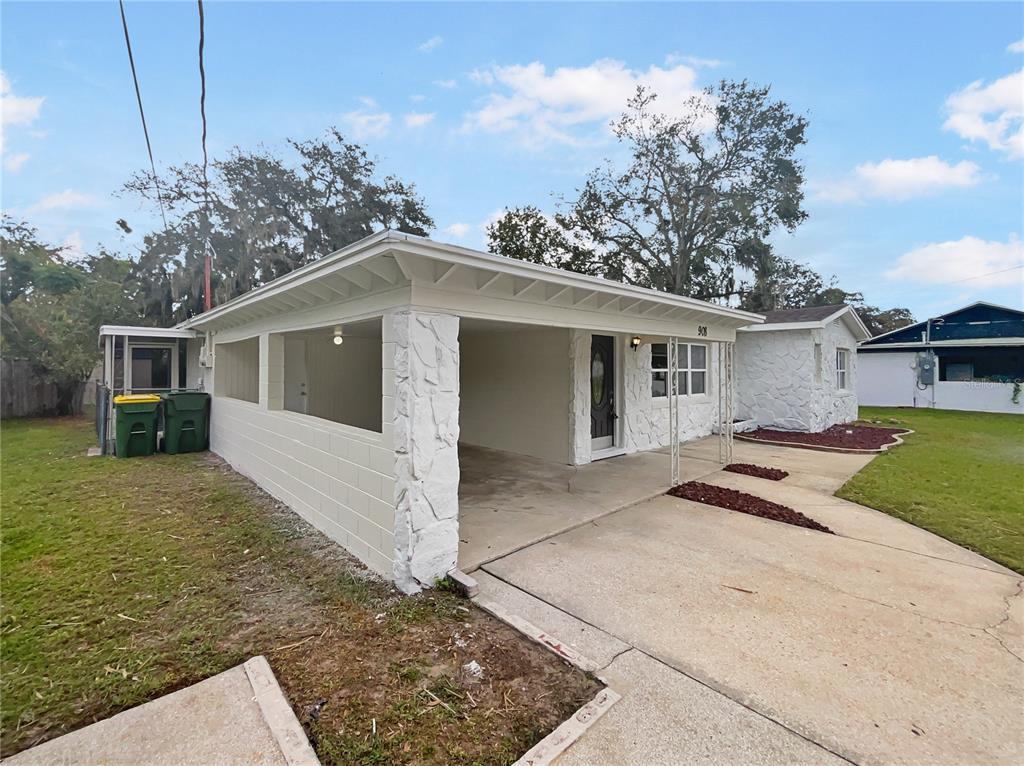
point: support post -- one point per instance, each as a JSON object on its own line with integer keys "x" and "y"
{"x": 673, "y": 408}
{"x": 426, "y": 436}
{"x": 725, "y": 401}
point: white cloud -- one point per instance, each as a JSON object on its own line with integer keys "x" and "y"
{"x": 66, "y": 200}
{"x": 13, "y": 162}
{"x": 992, "y": 113}
{"x": 901, "y": 179}
{"x": 982, "y": 263}
{"x": 17, "y": 110}
{"x": 696, "y": 61}
{"x": 458, "y": 230}
{"x": 543, "y": 105}
{"x": 369, "y": 121}
{"x": 1017, "y": 47}
{"x": 431, "y": 44}
{"x": 446, "y": 84}
{"x": 72, "y": 245}
{"x": 417, "y": 97}
{"x": 418, "y": 119}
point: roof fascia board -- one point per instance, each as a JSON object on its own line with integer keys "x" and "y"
{"x": 583, "y": 282}
{"x": 146, "y": 332}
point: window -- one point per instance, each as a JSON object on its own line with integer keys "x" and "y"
{"x": 817, "y": 363}
{"x": 237, "y": 370}
{"x": 842, "y": 361}
{"x": 692, "y": 377}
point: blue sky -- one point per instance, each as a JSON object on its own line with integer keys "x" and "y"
{"x": 914, "y": 154}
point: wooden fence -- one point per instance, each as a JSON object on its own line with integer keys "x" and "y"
{"x": 23, "y": 394}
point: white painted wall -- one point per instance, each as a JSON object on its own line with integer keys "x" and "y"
{"x": 831, "y": 404}
{"x": 977, "y": 396}
{"x": 776, "y": 381}
{"x": 339, "y": 478}
{"x": 888, "y": 380}
{"x": 514, "y": 391}
{"x": 344, "y": 382}
{"x": 238, "y": 364}
{"x": 645, "y": 423}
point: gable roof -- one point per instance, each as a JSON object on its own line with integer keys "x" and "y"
{"x": 392, "y": 260}
{"x": 978, "y": 322}
{"x": 812, "y": 318}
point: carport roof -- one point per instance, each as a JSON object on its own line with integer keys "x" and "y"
{"x": 393, "y": 259}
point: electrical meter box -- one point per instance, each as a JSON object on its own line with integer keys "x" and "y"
{"x": 926, "y": 364}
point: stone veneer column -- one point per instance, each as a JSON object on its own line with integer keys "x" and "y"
{"x": 426, "y": 436}
{"x": 579, "y": 396}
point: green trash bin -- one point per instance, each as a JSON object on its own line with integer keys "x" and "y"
{"x": 185, "y": 416}
{"x": 136, "y": 424}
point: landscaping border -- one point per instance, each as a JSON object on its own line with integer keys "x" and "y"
{"x": 821, "y": 448}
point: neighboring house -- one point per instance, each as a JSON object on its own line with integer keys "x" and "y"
{"x": 968, "y": 359}
{"x": 798, "y": 370}
{"x": 345, "y": 387}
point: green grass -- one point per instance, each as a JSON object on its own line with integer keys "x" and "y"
{"x": 959, "y": 475}
{"x": 123, "y": 580}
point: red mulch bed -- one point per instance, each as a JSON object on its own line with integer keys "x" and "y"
{"x": 760, "y": 471}
{"x": 734, "y": 500}
{"x": 844, "y": 436}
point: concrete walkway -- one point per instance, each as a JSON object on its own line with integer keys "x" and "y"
{"x": 237, "y": 717}
{"x": 734, "y": 639}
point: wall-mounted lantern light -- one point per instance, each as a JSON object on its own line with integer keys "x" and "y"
{"x": 338, "y": 340}
{"x": 635, "y": 342}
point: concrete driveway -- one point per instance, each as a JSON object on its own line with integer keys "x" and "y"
{"x": 735, "y": 639}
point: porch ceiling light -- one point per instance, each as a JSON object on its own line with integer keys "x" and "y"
{"x": 635, "y": 342}
{"x": 338, "y": 340}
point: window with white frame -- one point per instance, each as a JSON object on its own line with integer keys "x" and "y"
{"x": 842, "y": 367}
{"x": 692, "y": 377}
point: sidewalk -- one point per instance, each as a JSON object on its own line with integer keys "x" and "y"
{"x": 238, "y": 716}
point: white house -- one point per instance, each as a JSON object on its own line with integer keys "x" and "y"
{"x": 968, "y": 359}
{"x": 798, "y": 370}
{"x": 346, "y": 387}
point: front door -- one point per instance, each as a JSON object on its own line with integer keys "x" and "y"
{"x": 602, "y": 392}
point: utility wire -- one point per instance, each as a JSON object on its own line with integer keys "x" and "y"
{"x": 207, "y": 248}
{"x": 990, "y": 274}
{"x": 142, "y": 112}
{"x": 202, "y": 98}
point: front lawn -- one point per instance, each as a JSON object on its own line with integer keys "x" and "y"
{"x": 123, "y": 580}
{"x": 960, "y": 475}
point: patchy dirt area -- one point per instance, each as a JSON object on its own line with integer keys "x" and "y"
{"x": 124, "y": 580}
{"x": 760, "y": 471}
{"x": 734, "y": 500}
{"x": 849, "y": 436}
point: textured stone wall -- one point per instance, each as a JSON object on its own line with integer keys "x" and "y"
{"x": 776, "y": 383}
{"x": 426, "y": 436}
{"x": 645, "y": 418}
{"x": 834, "y": 405}
{"x": 775, "y": 379}
{"x": 579, "y": 396}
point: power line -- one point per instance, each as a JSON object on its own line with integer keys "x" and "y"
{"x": 207, "y": 261}
{"x": 989, "y": 274}
{"x": 142, "y": 113}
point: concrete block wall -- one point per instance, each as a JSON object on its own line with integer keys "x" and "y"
{"x": 339, "y": 478}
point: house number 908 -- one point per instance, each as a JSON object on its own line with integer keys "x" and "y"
{"x": 702, "y": 331}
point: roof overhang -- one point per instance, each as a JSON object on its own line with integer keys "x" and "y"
{"x": 146, "y": 332}
{"x": 433, "y": 272}
{"x": 963, "y": 342}
{"x": 847, "y": 314}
